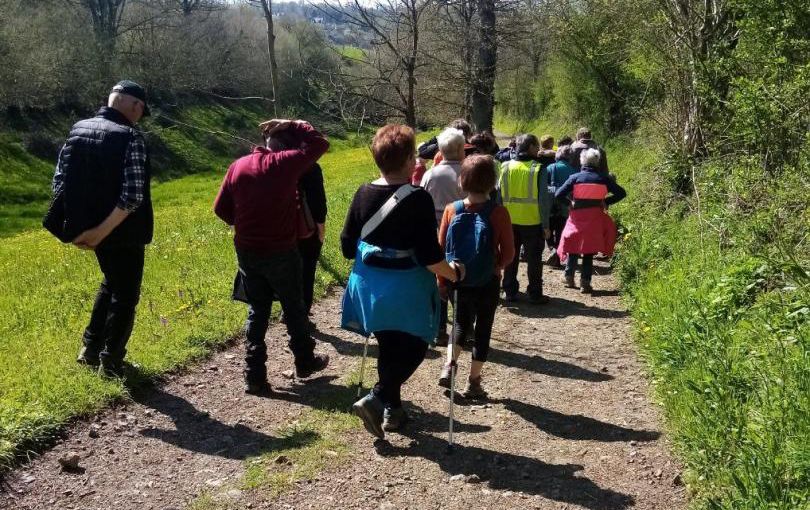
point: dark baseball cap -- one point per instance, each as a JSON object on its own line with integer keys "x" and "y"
{"x": 131, "y": 88}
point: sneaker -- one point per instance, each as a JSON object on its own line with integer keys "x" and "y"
{"x": 510, "y": 298}
{"x": 444, "y": 377}
{"x": 474, "y": 389}
{"x": 585, "y": 287}
{"x": 394, "y": 419}
{"x": 316, "y": 364}
{"x": 539, "y": 299}
{"x": 87, "y": 358}
{"x": 370, "y": 410}
{"x": 569, "y": 281}
{"x": 442, "y": 339}
{"x": 258, "y": 388}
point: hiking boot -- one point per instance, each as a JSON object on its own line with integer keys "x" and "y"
{"x": 394, "y": 419}
{"x": 553, "y": 260}
{"x": 474, "y": 389}
{"x": 585, "y": 287}
{"x": 316, "y": 364}
{"x": 260, "y": 388}
{"x": 442, "y": 339}
{"x": 111, "y": 370}
{"x": 88, "y": 358}
{"x": 444, "y": 377}
{"x": 370, "y": 410}
{"x": 569, "y": 281}
{"x": 539, "y": 299}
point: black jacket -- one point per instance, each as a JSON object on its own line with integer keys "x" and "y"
{"x": 93, "y": 162}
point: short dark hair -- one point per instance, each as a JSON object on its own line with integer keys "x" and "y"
{"x": 583, "y": 133}
{"x": 525, "y": 141}
{"x": 546, "y": 141}
{"x": 477, "y": 174}
{"x": 565, "y": 140}
{"x": 393, "y": 144}
{"x": 484, "y": 143}
{"x": 282, "y": 140}
{"x": 463, "y": 126}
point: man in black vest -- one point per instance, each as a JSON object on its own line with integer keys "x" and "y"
{"x": 103, "y": 172}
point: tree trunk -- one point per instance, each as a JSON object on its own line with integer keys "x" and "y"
{"x": 267, "y": 7}
{"x": 483, "y": 103}
{"x": 410, "y": 107}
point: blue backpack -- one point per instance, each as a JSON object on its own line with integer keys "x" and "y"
{"x": 470, "y": 240}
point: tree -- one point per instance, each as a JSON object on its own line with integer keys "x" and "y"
{"x": 267, "y": 10}
{"x": 483, "y": 98}
{"x": 388, "y": 71}
{"x": 702, "y": 33}
{"x": 106, "y": 16}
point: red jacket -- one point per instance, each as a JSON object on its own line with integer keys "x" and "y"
{"x": 259, "y": 193}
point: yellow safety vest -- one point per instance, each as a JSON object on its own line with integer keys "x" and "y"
{"x": 519, "y": 191}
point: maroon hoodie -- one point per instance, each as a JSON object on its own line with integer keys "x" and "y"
{"x": 259, "y": 193}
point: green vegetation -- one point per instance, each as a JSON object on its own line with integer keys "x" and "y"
{"x": 719, "y": 287}
{"x": 185, "y": 309}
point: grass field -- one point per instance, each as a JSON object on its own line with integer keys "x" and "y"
{"x": 185, "y": 309}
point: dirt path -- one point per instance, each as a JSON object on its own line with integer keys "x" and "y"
{"x": 568, "y": 424}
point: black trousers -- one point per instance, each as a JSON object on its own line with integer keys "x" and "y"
{"x": 530, "y": 237}
{"x": 556, "y": 225}
{"x": 310, "y": 250}
{"x": 475, "y": 315}
{"x": 265, "y": 277}
{"x": 400, "y": 356}
{"x": 113, "y": 313}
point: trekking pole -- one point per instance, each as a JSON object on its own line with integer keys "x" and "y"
{"x": 452, "y": 374}
{"x": 362, "y": 368}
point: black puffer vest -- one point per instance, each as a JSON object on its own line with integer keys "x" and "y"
{"x": 93, "y": 159}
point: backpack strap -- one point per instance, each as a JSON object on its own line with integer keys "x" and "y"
{"x": 387, "y": 208}
{"x": 486, "y": 211}
{"x": 459, "y": 206}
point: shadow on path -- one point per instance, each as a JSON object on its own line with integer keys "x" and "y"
{"x": 541, "y": 365}
{"x": 506, "y": 471}
{"x": 349, "y": 348}
{"x": 200, "y": 433}
{"x": 559, "y": 308}
{"x": 575, "y": 427}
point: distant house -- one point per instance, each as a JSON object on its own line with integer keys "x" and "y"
{"x": 318, "y": 20}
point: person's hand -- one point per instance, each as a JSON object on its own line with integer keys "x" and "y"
{"x": 270, "y": 127}
{"x": 89, "y": 239}
{"x": 444, "y": 293}
{"x": 547, "y": 233}
{"x": 321, "y": 231}
{"x": 460, "y": 270}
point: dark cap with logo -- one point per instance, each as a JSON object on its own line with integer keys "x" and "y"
{"x": 131, "y": 88}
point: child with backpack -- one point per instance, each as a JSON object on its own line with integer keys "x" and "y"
{"x": 478, "y": 233}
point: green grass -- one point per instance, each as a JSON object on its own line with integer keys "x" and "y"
{"x": 184, "y": 312}
{"x": 554, "y": 127}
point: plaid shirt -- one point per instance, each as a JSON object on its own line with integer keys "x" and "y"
{"x": 134, "y": 175}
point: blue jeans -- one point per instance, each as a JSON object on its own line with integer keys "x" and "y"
{"x": 265, "y": 277}
{"x": 587, "y": 266}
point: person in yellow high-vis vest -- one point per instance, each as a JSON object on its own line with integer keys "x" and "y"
{"x": 523, "y": 186}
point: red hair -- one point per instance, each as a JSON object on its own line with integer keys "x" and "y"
{"x": 392, "y": 146}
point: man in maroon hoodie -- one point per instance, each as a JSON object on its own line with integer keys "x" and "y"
{"x": 259, "y": 198}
